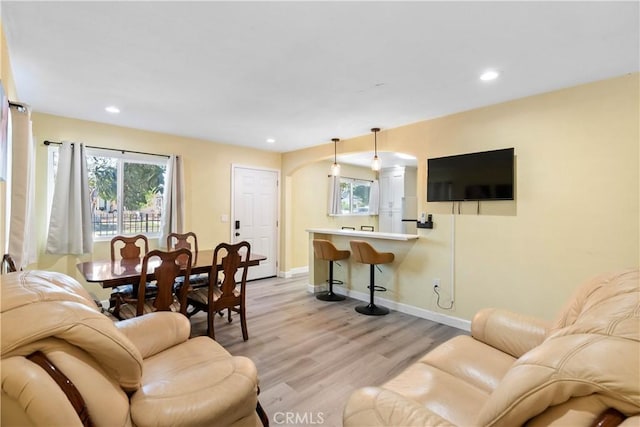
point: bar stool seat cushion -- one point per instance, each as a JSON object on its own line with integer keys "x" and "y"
{"x": 325, "y": 250}
{"x": 365, "y": 253}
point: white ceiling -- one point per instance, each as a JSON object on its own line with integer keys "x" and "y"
{"x": 304, "y": 72}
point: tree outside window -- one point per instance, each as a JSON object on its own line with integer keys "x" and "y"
{"x": 354, "y": 196}
{"x": 126, "y": 195}
{"x": 126, "y": 191}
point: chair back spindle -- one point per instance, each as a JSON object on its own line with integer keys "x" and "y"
{"x": 165, "y": 273}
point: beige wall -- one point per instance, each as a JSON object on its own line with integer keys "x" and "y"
{"x": 309, "y": 199}
{"x": 576, "y": 209}
{"x": 207, "y": 178}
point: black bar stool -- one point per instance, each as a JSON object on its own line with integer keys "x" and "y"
{"x": 325, "y": 250}
{"x": 365, "y": 253}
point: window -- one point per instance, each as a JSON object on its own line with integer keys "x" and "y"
{"x": 126, "y": 191}
{"x": 354, "y": 196}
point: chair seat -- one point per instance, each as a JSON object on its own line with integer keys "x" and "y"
{"x": 364, "y": 253}
{"x": 128, "y": 310}
{"x": 201, "y": 295}
{"x": 195, "y": 281}
{"x": 325, "y": 250}
{"x": 216, "y": 387}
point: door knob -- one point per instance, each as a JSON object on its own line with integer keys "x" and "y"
{"x": 237, "y": 234}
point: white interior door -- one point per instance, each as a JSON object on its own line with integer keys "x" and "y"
{"x": 255, "y": 216}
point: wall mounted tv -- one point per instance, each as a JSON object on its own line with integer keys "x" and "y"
{"x": 486, "y": 175}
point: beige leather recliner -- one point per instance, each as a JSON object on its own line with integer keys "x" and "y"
{"x": 143, "y": 371}
{"x": 515, "y": 370}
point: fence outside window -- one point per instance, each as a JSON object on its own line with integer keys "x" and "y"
{"x": 106, "y": 224}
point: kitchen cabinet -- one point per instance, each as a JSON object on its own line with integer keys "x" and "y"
{"x": 397, "y": 198}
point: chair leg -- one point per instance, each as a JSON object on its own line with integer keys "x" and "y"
{"x": 264, "y": 418}
{"x": 243, "y": 323}
{"x": 261, "y": 412}
{"x": 371, "y": 309}
{"x": 210, "y": 317}
{"x": 329, "y": 295}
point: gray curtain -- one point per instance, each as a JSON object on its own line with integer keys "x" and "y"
{"x": 374, "y": 198}
{"x": 22, "y": 240}
{"x": 334, "y": 196}
{"x": 173, "y": 212}
{"x": 70, "y": 230}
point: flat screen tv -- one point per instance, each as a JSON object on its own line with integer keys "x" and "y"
{"x": 486, "y": 175}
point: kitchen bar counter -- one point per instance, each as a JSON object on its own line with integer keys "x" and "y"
{"x": 355, "y": 275}
{"x": 362, "y": 234}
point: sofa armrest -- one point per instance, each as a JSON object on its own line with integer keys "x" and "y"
{"x": 374, "y": 406}
{"x": 155, "y": 332}
{"x": 507, "y": 331}
{"x": 31, "y": 397}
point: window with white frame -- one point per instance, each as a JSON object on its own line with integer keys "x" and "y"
{"x": 126, "y": 191}
{"x": 355, "y": 195}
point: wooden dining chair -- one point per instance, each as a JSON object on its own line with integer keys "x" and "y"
{"x": 228, "y": 261}
{"x": 168, "y": 297}
{"x": 8, "y": 266}
{"x": 127, "y": 249}
{"x": 189, "y": 241}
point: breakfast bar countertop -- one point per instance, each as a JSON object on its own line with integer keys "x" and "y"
{"x": 358, "y": 233}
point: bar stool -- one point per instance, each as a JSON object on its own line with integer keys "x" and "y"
{"x": 325, "y": 250}
{"x": 365, "y": 253}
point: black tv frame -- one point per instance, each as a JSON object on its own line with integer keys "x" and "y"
{"x": 478, "y": 176}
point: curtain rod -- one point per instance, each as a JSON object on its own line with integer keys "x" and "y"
{"x": 18, "y": 105}
{"x": 112, "y": 149}
{"x": 348, "y": 177}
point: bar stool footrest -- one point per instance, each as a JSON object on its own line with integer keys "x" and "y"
{"x": 378, "y": 288}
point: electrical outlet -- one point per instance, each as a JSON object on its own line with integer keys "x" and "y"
{"x": 436, "y": 283}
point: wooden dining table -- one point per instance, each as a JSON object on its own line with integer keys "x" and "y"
{"x": 120, "y": 272}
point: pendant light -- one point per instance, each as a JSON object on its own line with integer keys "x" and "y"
{"x": 376, "y": 164}
{"x": 335, "y": 167}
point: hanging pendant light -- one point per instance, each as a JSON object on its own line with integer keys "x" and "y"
{"x": 376, "y": 164}
{"x": 335, "y": 167}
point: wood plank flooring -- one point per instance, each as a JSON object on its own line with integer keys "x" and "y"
{"x": 311, "y": 355}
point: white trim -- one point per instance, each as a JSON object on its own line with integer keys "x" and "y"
{"x": 294, "y": 272}
{"x": 322, "y": 287}
{"x": 235, "y": 166}
{"x": 423, "y": 313}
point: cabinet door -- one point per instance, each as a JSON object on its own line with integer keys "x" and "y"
{"x": 391, "y": 189}
{"x": 396, "y": 221}
{"x": 390, "y": 221}
{"x": 385, "y": 223}
{"x": 397, "y": 189}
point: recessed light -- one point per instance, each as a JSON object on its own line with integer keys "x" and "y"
{"x": 489, "y": 75}
{"x": 270, "y": 140}
{"x": 112, "y": 109}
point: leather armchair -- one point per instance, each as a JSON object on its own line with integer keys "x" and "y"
{"x": 515, "y": 370}
{"x": 143, "y": 371}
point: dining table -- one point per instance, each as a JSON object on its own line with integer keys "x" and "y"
{"x": 110, "y": 273}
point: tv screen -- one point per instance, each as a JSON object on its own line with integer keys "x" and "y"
{"x": 487, "y": 175}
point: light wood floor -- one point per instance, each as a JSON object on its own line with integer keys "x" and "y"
{"x": 312, "y": 354}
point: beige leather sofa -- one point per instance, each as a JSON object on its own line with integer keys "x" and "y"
{"x": 143, "y": 372}
{"x": 514, "y": 370}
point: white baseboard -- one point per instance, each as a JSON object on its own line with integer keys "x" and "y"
{"x": 294, "y": 272}
{"x": 423, "y": 313}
